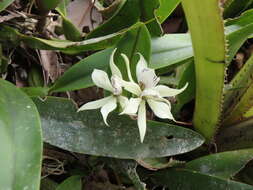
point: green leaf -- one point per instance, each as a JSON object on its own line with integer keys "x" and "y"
{"x": 165, "y": 9}
{"x": 35, "y": 91}
{"x": 4, "y": 4}
{"x": 9, "y": 34}
{"x": 79, "y": 75}
{"x": 127, "y": 15}
{"x": 73, "y": 182}
{"x": 224, "y": 165}
{"x": 20, "y": 139}
{"x": 85, "y": 132}
{"x": 170, "y": 49}
{"x": 209, "y": 55}
{"x": 237, "y": 31}
{"x": 233, "y": 8}
{"x": 148, "y": 9}
{"x": 135, "y": 41}
{"x": 178, "y": 179}
{"x": 188, "y": 76}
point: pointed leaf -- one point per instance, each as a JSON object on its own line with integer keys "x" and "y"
{"x": 85, "y": 132}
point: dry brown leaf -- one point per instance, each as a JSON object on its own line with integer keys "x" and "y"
{"x": 50, "y": 63}
{"x": 82, "y": 13}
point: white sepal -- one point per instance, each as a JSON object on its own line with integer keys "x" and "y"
{"x": 161, "y": 109}
{"x": 165, "y": 91}
{"x": 114, "y": 69}
{"x": 108, "y": 107}
{"x": 123, "y": 101}
{"x": 95, "y": 104}
{"x": 131, "y": 87}
{"x": 132, "y": 106}
{"x": 128, "y": 67}
{"x": 145, "y": 75}
{"x": 101, "y": 79}
{"x": 142, "y": 120}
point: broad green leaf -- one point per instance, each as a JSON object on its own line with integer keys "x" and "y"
{"x": 148, "y": 9}
{"x": 48, "y": 184}
{"x": 165, "y": 9}
{"x": 5, "y": 3}
{"x": 73, "y": 182}
{"x": 79, "y": 75}
{"x": 135, "y": 41}
{"x": 233, "y": 8}
{"x": 20, "y": 139}
{"x": 224, "y": 165}
{"x": 85, "y": 132}
{"x": 69, "y": 47}
{"x": 178, "y": 179}
{"x": 209, "y": 46}
{"x": 170, "y": 49}
{"x": 127, "y": 15}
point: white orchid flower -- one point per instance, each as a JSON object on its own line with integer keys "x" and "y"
{"x": 101, "y": 79}
{"x": 147, "y": 91}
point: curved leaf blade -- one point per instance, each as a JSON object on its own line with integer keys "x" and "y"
{"x": 178, "y": 179}
{"x": 224, "y": 165}
{"x": 20, "y": 139}
{"x": 85, "y": 132}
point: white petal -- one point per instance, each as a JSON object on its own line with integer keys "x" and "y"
{"x": 116, "y": 84}
{"x": 165, "y": 91}
{"x": 161, "y": 109}
{"x": 128, "y": 67}
{"x": 142, "y": 125}
{"x": 114, "y": 69}
{"x": 100, "y": 78}
{"x": 145, "y": 75}
{"x": 95, "y": 104}
{"x": 131, "y": 87}
{"x": 109, "y": 107}
{"x": 150, "y": 93}
{"x": 123, "y": 101}
{"x": 132, "y": 106}
{"x": 141, "y": 65}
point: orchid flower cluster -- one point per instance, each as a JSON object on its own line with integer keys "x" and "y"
{"x": 145, "y": 91}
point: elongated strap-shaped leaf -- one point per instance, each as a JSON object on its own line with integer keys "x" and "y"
{"x": 73, "y": 182}
{"x": 182, "y": 179}
{"x": 233, "y": 8}
{"x": 239, "y": 94}
{"x": 20, "y": 140}
{"x": 9, "y": 34}
{"x": 5, "y": 3}
{"x": 224, "y": 165}
{"x": 209, "y": 52}
{"x": 86, "y": 132}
